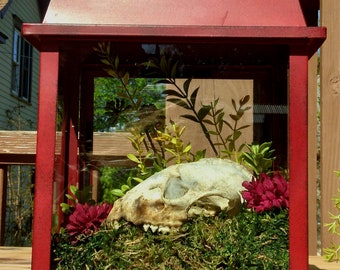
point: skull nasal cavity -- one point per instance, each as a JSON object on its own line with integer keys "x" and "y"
{"x": 175, "y": 188}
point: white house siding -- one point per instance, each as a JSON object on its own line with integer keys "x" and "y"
{"x": 27, "y": 11}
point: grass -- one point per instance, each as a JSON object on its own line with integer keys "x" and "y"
{"x": 246, "y": 241}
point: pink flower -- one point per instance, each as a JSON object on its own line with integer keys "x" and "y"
{"x": 266, "y": 192}
{"x": 86, "y": 219}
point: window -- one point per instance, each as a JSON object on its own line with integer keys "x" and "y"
{"x": 21, "y": 67}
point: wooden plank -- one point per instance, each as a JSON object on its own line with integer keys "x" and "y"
{"x": 318, "y": 263}
{"x": 110, "y": 149}
{"x": 330, "y": 114}
{"x": 211, "y": 89}
{"x": 15, "y": 258}
{"x": 20, "y": 258}
{"x": 312, "y": 155}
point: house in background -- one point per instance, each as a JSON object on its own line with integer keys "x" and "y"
{"x": 19, "y": 65}
{"x": 19, "y": 72}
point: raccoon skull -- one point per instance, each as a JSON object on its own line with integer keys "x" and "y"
{"x": 171, "y": 196}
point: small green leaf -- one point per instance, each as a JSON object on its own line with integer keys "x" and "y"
{"x": 70, "y": 197}
{"x": 186, "y": 85}
{"x": 117, "y": 192}
{"x": 179, "y": 102}
{"x": 244, "y": 100}
{"x": 164, "y": 81}
{"x": 122, "y": 95}
{"x": 105, "y": 61}
{"x": 234, "y": 104}
{"x": 163, "y": 65}
{"x": 193, "y": 96}
{"x": 139, "y": 180}
{"x": 213, "y": 132}
{"x": 133, "y": 158}
{"x": 187, "y": 148}
{"x": 174, "y": 93}
{"x": 234, "y": 117}
{"x": 174, "y": 70}
{"x": 207, "y": 121}
{"x": 190, "y": 117}
{"x": 150, "y": 64}
{"x": 65, "y": 208}
{"x": 243, "y": 127}
{"x": 126, "y": 78}
{"x": 124, "y": 188}
{"x": 202, "y": 113}
{"x": 116, "y": 63}
{"x": 73, "y": 189}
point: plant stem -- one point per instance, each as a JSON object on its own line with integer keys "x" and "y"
{"x": 192, "y": 108}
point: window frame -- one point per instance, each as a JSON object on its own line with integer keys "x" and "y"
{"x": 22, "y": 58}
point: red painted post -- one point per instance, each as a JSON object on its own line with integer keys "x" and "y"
{"x": 298, "y": 158}
{"x": 86, "y": 126}
{"x": 71, "y": 86}
{"x": 45, "y": 161}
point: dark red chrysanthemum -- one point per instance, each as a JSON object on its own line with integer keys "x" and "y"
{"x": 86, "y": 219}
{"x": 266, "y": 192}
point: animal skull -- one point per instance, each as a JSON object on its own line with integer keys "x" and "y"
{"x": 171, "y": 196}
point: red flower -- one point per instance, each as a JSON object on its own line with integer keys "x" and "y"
{"x": 86, "y": 219}
{"x": 266, "y": 193}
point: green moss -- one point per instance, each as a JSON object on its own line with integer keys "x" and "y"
{"x": 247, "y": 241}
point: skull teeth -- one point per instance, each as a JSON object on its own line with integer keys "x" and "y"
{"x": 155, "y": 228}
{"x": 146, "y": 227}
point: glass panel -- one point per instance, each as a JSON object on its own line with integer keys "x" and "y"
{"x": 161, "y": 104}
{"x": 26, "y": 71}
{"x": 191, "y": 77}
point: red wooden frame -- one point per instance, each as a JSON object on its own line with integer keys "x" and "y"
{"x": 45, "y": 160}
{"x": 51, "y": 39}
{"x": 298, "y": 160}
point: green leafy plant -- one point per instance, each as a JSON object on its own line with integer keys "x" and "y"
{"x": 204, "y": 115}
{"x": 259, "y": 158}
{"x": 171, "y": 142}
{"x": 131, "y": 99}
{"x": 332, "y": 253}
{"x": 170, "y": 149}
{"x": 230, "y": 150}
{"x": 77, "y": 196}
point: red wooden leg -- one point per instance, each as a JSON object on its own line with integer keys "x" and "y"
{"x": 298, "y": 166}
{"x": 46, "y": 138}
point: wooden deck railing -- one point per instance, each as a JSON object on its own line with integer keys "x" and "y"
{"x": 19, "y": 148}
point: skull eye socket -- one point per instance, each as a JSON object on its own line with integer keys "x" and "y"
{"x": 175, "y": 188}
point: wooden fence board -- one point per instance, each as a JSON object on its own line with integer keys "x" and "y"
{"x": 312, "y": 156}
{"x": 330, "y": 113}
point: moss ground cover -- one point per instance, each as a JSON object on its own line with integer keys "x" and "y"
{"x": 249, "y": 240}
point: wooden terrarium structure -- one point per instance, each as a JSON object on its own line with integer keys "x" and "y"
{"x": 267, "y": 42}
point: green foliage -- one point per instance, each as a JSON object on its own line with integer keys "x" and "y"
{"x": 218, "y": 122}
{"x": 113, "y": 178}
{"x": 246, "y": 241}
{"x": 171, "y": 142}
{"x": 170, "y": 149}
{"x": 204, "y": 115}
{"x": 122, "y": 100}
{"x": 77, "y": 196}
{"x": 259, "y": 158}
{"x": 332, "y": 253}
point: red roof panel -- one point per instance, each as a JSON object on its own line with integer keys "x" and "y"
{"x": 165, "y": 12}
